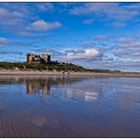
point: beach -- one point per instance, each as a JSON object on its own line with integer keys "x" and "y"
{"x": 57, "y": 73}
{"x": 69, "y": 106}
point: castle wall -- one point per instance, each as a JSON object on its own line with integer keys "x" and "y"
{"x": 32, "y": 58}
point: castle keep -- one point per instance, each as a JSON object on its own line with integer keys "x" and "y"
{"x": 37, "y": 59}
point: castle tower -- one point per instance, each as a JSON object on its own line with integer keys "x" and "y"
{"x": 47, "y": 58}
{"x": 30, "y": 58}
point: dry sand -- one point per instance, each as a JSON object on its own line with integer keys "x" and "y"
{"x": 48, "y": 73}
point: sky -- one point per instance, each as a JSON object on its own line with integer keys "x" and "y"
{"x": 93, "y": 35}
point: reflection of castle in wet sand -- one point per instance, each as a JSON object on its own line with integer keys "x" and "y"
{"x": 39, "y": 85}
{"x": 35, "y": 87}
{"x": 43, "y": 86}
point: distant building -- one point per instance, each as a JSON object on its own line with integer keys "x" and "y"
{"x": 37, "y": 59}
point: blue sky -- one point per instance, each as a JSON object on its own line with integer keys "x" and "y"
{"x": 94, "y": 35}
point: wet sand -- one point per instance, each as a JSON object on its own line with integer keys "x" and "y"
{"x": 48, "y": 73}
{"x": 69, "y": 106}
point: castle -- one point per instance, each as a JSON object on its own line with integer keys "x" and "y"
{"x": 37, "y": 59}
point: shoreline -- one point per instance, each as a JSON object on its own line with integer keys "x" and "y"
{"x": 49, "y": 73}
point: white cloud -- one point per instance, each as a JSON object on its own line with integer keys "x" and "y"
{"x": 32, "y": 35}
{"x": 90, "y": 8}
{"x": 88, "y": 53}
{"x": 123, "y": 42}
{"x": 10, "y": 52}
{"x": 118, "y": 24}
{"x": 4, "y": 12}
{"x": 45, "y": 6}
{"x": 42, "y": 26}
{"x": 88, "y": 21}
{"x": 102, "y": 38}
{"x": 127, "y": 50}
{"x": 10, "y": 17}
{"x": 3, "y": 41}
{"x": 108, "y": 11}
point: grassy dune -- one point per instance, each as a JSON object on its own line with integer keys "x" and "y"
{"x": 58, "y": 69}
